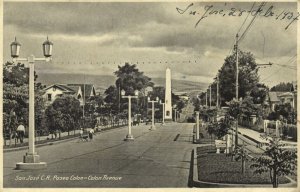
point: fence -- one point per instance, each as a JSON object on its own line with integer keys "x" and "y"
{"x": 285, "y": 131}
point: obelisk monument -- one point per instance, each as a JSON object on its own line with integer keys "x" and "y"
{"x": 168, "y": 96}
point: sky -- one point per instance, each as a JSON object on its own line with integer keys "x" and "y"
{"x": 94, "y": 38}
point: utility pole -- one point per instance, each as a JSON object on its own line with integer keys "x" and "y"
{"x": 119, "y": 94}
{"x": 237, "y": 88}
{"x": 206, "y": 98}
{"x": 218, "y": 91}
{"x": 83, "y": 99}
{"x": 237, "y": 70}
{"x": 209, "y": 95}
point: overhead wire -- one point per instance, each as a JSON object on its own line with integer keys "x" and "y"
{"x": 250, "y": 24}
{"x": 232, "y": 46}
{"x": 290, "y": 61}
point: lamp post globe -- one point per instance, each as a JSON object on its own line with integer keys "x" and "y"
{"x": 47, "y": 48}
{"x": 15, "y": 48}
{"x": 136, "y": 92}
{"x": 122, "y": 92}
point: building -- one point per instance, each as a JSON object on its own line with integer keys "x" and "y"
{"x": 277, "y": 98}
{"x": 182, "y": 95}
{"x": 79, "y": 91}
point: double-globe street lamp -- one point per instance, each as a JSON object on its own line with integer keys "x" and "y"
{"x": 31, "y": 159}
{"x": 153, "y": 102}
{"x": 129, "y": 136}
{"x": 163, "y": 115}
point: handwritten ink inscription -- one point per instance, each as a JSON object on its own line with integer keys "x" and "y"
{"x": 263, "y": 10}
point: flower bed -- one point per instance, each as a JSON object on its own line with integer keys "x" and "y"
{"x": 219, "y": 168}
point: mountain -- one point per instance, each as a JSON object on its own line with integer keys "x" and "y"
{"x": 102, "y": 82}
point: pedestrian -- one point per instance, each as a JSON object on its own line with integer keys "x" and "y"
{"x": 81, "y": 133}
{"x": 91, "y": 133}
{"x": 55, "y": 134}
{"x": 21, "y": 132}
{"x": 16, "y": 137}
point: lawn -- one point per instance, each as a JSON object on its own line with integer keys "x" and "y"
{"x": 219, "y": 168}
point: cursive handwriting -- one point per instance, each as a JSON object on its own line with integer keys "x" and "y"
{"x": 263, "y": 10}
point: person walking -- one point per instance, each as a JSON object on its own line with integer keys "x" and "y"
{"x": 91, "y": 133}
{"x": 21, "y": 132}
{"x": 81, "y": 133}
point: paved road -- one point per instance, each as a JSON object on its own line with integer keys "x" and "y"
{"x": 154, "y": 159}
{"x": 187, "y": 111}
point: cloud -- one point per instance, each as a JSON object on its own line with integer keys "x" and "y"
{"x": 144, "y": 32}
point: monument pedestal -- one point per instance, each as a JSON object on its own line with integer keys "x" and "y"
{"x": 30, "y": 162}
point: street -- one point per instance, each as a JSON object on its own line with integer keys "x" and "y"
{"x": 157, "y": 158}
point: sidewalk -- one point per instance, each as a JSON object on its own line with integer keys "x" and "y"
{"x": 42, "y": 140}
{"x": 256, "y": 136}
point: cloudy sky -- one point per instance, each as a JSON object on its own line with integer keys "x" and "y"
{"x": 94, "y": 38}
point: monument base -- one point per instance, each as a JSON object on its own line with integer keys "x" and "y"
{"x": 168, "y": 120}
{"x": 129, "y": 138}
{"x": 31, "y": 166}
{"x": 30, "y": 162}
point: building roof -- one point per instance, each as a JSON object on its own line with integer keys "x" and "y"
{"x": 274, "y": 96}
{"x": 285, "y": 94}
{"x": 85, "y": 88}
{"x": 74, "y": 88}
{"x": 62, "y": 87}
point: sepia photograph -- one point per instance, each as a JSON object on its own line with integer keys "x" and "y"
{"x": 149, "y": 94}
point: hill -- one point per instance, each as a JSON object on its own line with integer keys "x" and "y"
{"x": 104, "y": 81}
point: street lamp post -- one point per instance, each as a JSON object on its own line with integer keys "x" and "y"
{"x": 129, "y": 136}
{"x": 197, "y": 126}
{"x": 31, "y": 160}
{"x": 152, "y": 101}
{"x": 163, "y": 116}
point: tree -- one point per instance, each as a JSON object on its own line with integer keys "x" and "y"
{"x": 208, "y": 114}
{"x": 241, "y": 154}
{"x": 158, "y": 91}
{"x": 129, "y": 79}
{"x": 259, "y": 93}
{"x": 247, "y": 108}
{"x": 219, "y": 128}
{"x": 248, "y": 77}
{"x": 64, "y": 114}
{"x": 15, "y": 97}
{"x": 283, "y": 87}
{"x": 286, "y": 111}
{"x": 277, "y": 161}
{"x": 197, "y": 103}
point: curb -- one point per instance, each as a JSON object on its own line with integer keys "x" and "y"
{"x": 39, "y": 145}
{"x": 203, "y": 184}
{"x": 54, "y": 142}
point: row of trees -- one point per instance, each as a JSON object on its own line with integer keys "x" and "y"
{"x": 65, "y": 113}
{"x": 253, "y": 94}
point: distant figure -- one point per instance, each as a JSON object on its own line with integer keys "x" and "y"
{"x": 16, "y": 136}
{"x": 21, "y": 132}
{"x": 91, "y": 133}
{"x": 81, "y": 133}
{"x": 55, "y": 134}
